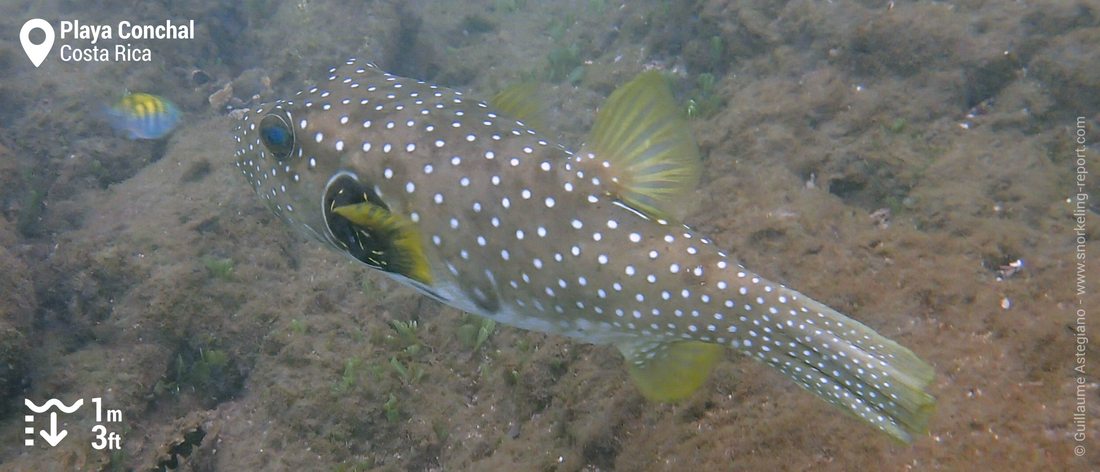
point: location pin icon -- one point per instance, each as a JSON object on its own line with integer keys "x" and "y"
{"x": 36, "y": 52}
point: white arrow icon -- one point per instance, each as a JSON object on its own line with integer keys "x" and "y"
{"x": 36, "y": 52}
{"x": 53, "y": 436}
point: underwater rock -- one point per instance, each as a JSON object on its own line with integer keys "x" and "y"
{"x": 17, "y": 308}
{"x": 218, "y": 100}
{"x": 881, "y": 218}
{"x": 898, "y": 45}
{"x": 199, "y": 77}
{"x": 1070, "y": 71}
{"x": 252, "y": 84}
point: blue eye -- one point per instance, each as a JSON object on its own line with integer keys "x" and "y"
{"x": 277, "y": 136}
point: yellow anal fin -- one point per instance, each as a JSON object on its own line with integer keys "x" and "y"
{"x": 653, "y": 159}
{"x": 521, "y": 101}
{"x": 387, "y": 241}
{"x": 670, "y": 371}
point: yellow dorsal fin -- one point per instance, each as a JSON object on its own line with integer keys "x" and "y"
{"x": 521, "y": 101}
{"x": 653, "y": 160}
{"x": 387, "y": 241}
{"x": 670, "y": 371}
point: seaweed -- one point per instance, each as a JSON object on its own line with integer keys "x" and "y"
{"x": 563, "y": 61}
{"x": 390, "y": 408}
{"x": 475, "y": 332}
{"x": 412, "y": 374}
{"x": 298, "y": 326}
{"x": 220, "y": 268}
{"x": 209, "y": 371}
{"x": 349, "y": 379}
{"x": 705, "y": 101}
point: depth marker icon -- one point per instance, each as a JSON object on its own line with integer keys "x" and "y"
{"x": 52, "y": 436}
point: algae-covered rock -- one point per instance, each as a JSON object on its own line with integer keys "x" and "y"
{"x": 905, "y": 44}
{"x": 17, "y": 306}
{"x": 1070, "y": 69}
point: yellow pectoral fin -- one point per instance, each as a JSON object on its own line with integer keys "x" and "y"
{"x": 521, "y": 101}
{"x": 387, "y": 241}
{"x": 654, "y": 160}
{"x": 670, "y": 371}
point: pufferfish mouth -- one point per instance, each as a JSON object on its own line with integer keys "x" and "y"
{"x": 362, "y": 243}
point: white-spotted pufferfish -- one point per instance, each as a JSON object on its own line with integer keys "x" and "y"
{"x": 459, "y": 199}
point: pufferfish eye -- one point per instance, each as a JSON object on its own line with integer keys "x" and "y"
{"x": 277, "y": 134}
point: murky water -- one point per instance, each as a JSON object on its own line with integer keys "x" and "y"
{"x": 913, "y": 165}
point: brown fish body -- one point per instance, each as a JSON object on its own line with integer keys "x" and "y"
{"x": 479, "y": 211}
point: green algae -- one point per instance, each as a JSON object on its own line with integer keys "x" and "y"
{"x": 220, "y": 268}
{"x": 475, "y": 332}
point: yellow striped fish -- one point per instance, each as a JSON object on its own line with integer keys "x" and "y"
{"x": 144, "y": 116}
{"x": 461, "y": 200}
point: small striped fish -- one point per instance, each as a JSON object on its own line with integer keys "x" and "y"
{"x": 144, "y": 116}
{"x": 459, "y": 199}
